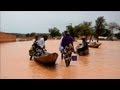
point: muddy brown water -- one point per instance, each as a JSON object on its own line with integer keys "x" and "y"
{"x": 101, "y": 63}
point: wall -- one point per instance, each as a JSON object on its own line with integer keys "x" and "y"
{"x": 5, "y": 37}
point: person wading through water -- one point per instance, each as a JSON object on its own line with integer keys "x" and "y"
{"x": 83, "y": 47}
{"x": 68, "y": 48}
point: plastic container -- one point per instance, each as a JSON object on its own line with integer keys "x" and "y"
{"x": 74, "y": 57}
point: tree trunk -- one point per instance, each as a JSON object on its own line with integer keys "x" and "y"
{"x": 112, "y": 35}
{"x": 97, "y": 38}
{"x": 86, "y": 37}
{"x": 90, "y": 39}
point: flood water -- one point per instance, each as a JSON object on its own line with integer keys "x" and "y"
{"x": 101, "y": 63}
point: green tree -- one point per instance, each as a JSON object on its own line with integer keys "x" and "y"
{"x": 70, "y": 28}
{"x": 27, "y": 35}
{"x": 33, "y": 34}
{"x": 112, "y": 26}
{"x": 106, "y": 33}
{"x": 118, "y": 35}
{"x": 81, "y": 29}
{"x": 77, "y": 30}
{"x": 54, "y": 32}
{"x": 100, "y": 26}
{"x": 85, "y": 29}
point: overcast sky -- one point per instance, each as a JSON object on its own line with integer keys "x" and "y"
{"x": 41, "y": 21}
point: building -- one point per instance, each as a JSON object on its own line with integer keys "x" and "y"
{"x": 6, "y": 37}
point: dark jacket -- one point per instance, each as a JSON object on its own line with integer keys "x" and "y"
{"x": 67, "y": 40}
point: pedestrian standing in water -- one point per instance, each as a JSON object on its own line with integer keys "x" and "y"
{"x": 68, "y": 48}
{"x": 83, "y": 47}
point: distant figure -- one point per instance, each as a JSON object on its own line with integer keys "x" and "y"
{"x": 82, "y": 47}
{"x": 68, "y": 48}
{"x": 93, "y": 43}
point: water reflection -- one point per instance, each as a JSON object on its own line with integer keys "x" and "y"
{"x": 42, "y": 71}
{"x": 84, "y": 60}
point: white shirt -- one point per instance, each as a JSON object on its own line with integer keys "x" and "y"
{"x": 41, "y": 42}
{"x": 60, "y": 46}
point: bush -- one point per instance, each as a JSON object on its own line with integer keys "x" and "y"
{"x": 117, "y": 35}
